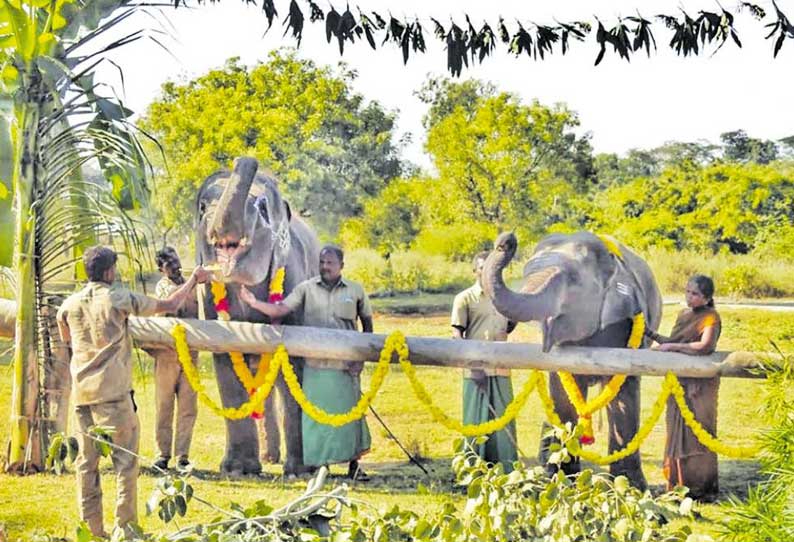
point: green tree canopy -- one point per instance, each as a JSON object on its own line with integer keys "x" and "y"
{"x": 514, "y": 165}
{"x": 327, "y": 146}
{"x": 722, "y": 206}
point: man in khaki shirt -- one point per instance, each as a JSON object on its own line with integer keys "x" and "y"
{"x": 486, "y": 392}
{"x": 335, "y": 302}
{"x": 170, "y": 383}
{"x": 94, "y": 322}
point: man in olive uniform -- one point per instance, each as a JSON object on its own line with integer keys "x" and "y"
{"x": 338, "y": 303}
{"x": 486, "y": 392}
{"x": 94, "y": 322}
{"x": 170, "y": 382}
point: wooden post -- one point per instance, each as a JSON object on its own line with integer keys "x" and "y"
{"x": 350, "y": 346}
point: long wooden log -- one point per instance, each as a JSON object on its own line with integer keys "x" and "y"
{"x": 349, "y": 346}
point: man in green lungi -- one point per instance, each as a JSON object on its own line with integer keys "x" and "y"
{"x": 338, "y": 303}
{"x": 486, "y": 392}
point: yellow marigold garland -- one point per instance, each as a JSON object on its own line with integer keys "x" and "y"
{"x": 491, "y": 426}
{"x": 194, "y": 379}
{"x": 268, "y": 372}
{"x": 705, "y": 438}
{"x": 249, "y": 381}
{"x": 394, "y": 343}
{"x": 585, "y": 409}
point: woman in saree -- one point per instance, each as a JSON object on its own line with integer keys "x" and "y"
{"x": 696, "y": 331}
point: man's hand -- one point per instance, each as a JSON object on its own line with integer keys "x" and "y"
{"x": 201, "y": 275}
{"x": 480, "y": 379}
{"x": 247, "y": 297}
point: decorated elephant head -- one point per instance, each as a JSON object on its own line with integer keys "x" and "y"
{"x": 243, "y": 224}
{"x": 574, "y": 285}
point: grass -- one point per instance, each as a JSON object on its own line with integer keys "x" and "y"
{"x": 47, "y": 502}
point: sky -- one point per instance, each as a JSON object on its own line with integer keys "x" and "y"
{"x": 623, "y": 105}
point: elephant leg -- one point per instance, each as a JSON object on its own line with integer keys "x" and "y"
{"x": 624, "y": 421}
{"x": 567, "y": 413}
{"x": 242, "y": 444}
{"x": 270, "y": 435}
{"x": 293, "y": 431}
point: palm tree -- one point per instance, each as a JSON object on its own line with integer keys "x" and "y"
{"x": 53, "y": 122}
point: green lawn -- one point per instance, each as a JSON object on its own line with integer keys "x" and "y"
{"x": 48, "y": 502}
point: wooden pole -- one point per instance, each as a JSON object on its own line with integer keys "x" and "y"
{"x": 349, "y": 346}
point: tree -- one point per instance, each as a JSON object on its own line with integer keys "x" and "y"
{"x": 513, "y": 165}
{"x": 722, "y": 206}
{"x": 739, "y": 147}
{"x": 53, "y": 123}
{"x": 327, "y": 146}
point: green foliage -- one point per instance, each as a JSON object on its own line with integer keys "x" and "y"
{"x": 724, "y": 206}
{"x": 765, "y": 515}
{"x": 62, "y": 448}
{"x": 328, "y": 147}
{"x": 169, "y": 498}
{"x": 406, "y": 271}
{"x": 738, "y": 275}
{"x": 512, "y": 165}
{"x": 527, "y": 504}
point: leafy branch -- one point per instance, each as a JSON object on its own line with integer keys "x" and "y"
{"x": 465, "y": 42}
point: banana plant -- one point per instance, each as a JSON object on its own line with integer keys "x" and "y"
{"x": 54, "y": 120}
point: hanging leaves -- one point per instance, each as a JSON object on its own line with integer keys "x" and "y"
{"x": 465, "y": 41}
{"x": 782, "y": 27}
{"x": 294, "y": 21}
{"x": 270, "y": 11}
{"x": 685, "y": 35}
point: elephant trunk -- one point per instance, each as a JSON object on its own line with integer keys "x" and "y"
{"x": 229, "y": 219}
{"x": 540, "y": 298}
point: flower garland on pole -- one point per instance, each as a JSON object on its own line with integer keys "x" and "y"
{"x": 585, "y": 409}
{"x": 249, "y": 381}
{"x": 396, "y": 343}
{"x": 194, "y": 379}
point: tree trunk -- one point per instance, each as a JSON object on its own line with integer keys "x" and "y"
{"x": 25, "y": 450}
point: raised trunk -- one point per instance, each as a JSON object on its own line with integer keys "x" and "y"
{"x": 26, "y": 445}
{"x": 540, "y": 301}
{"x": 229, "y": 219}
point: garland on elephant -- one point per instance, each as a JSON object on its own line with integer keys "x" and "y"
{"x": 537, "y": 382}
{"x": 252, "y": 383}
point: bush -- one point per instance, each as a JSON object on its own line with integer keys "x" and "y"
{"x": 460, "y": 241}
{"x": 736, "y": 275}
{"x": 406, "y": 271}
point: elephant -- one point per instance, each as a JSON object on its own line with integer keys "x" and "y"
{"x": 245, "y": 227}
{"x": 584, "y": 290}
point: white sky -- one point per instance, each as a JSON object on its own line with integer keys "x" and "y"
{"x": 637, "y": 105}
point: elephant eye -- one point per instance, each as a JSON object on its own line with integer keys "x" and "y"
{"x": 261, "y": 206}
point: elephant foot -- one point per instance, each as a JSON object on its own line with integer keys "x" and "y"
{"x": 234, "y": 466}
{"x": 297, "y": 468}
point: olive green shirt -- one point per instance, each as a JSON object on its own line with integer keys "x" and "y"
{"x": 189, "y": 307}
{"x": 101, "y": 364}
{"x": 337, "y": 307}
{"x": 474, "y": 313}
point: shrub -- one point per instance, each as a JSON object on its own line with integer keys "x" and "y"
{"x": 460, "y": 241}
{"x": 405, "y": 271}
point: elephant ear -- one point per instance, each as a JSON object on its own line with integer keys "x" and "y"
{"x": 623, "y": 298}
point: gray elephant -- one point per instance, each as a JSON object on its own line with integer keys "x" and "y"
{"x": 584, "y": 291}
{"x": 245, "y": 227}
